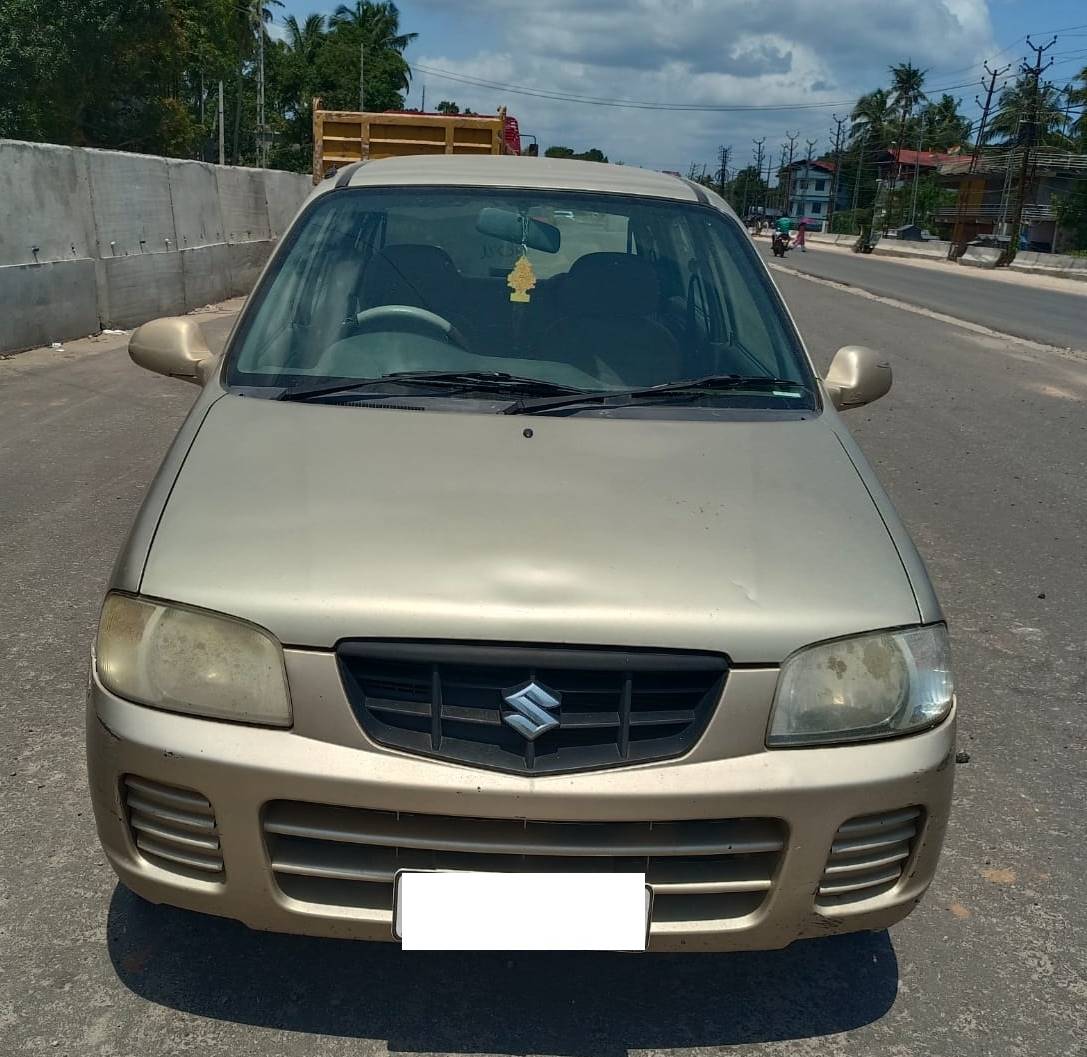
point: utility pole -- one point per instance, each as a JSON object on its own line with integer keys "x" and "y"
{"x": 758, "y": 163}
{"x": 424, "y": 99}
{"x": 832, "y": 201}
{"x": 807, "y": 176}
{"x": 792, "y": 137}
{"x": 958, "y": 242}
{"x": 362, "y": 71}
{"x": 857, "y": 174}
{"x": 781, "y": 165}
{"x": 260, "y": 90}
{"x": 1030, "y": 134}
{"x": 222, "y": 131}
{"x": 917, "y": 170}
{"x": 723, "y": 154}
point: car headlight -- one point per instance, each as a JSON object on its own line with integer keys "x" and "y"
{"x": 872, "y": 686}
{"x": 188, "y": 660}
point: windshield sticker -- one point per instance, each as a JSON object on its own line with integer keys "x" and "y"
{"x": 521, "y": 280}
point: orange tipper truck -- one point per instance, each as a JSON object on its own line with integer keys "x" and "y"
{"x": 341, "y": 137}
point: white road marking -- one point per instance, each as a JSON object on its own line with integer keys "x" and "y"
{"x": 905, "y": 306}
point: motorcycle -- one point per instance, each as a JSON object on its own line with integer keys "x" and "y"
{"x": 780, "y": 244}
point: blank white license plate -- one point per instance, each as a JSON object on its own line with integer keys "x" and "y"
{"x": 521, "y": 911}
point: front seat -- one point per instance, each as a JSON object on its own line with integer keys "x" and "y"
{"x": 418, "y": 275}
{"x": 608, "y": 324}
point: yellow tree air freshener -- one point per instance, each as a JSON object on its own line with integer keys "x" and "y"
{"x": 521, "y": 280}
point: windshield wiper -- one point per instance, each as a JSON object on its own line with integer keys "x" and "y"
{"x": 498, "y": 381}
{"x": 692, "y": 387}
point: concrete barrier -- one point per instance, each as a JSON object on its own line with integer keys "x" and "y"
{"x": 92, "y": 238}
{"x": 1058, "y": 265}
{"x": 47, "y": 246}
{"x": 281, "y": 193}
{"x": 931, "y": 249}
{"x": 42, "y": 303}
{"x": 980, "y": 256}
{"x": 194, "y": 199}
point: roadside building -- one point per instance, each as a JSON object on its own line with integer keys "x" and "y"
{"x": 809, "y": 186}
{"x": 986, "y": 194}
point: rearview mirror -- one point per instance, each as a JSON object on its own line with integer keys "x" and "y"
{"x": 512, "y": 227}
{"x": 857, "y": 376}
{"x": 175, "y": 347}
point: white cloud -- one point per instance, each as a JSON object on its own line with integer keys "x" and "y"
{"x": 704, "y": 52}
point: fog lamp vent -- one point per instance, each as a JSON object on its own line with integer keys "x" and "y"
{"x": 173, "y": 828}
{"x": 869, "y": 855}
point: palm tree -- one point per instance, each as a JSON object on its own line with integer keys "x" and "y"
{"x": 944, "y": 126}
{"x": 907, "y": 88}
{"x": 378, "y": 27}
{"x": 871, "y": 117}
{"x": 305, "y": 41}
{"x": 907, "y": 91}
{"x": 1018, "y": 103}
{"x": 1077, "y": 96}
{"x": 250, "y": 17}
{"x": 304, "y": 44}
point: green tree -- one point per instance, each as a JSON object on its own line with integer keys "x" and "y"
{"x": 872, "y": 118}
{"x": 592, "y": 154}
{"x": 746, "y": 190}
{"x": 1017, "y": 107}
{"x": 1077, "y": 98}
{"x": 375, "y": 29}
{"x": 907, "y": 89}
{"x": 128, "y": 74}
{"x": 944, "y": 125}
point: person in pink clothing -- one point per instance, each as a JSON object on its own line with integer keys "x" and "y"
{"x": 801, "y": 232}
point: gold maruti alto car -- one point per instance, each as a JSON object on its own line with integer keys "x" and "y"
{"x": 500, "y": 543}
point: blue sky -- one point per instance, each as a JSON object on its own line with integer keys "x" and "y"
{"x": 710, "y": 53}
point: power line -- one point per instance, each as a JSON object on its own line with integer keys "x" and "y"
{"x": 633, "y": 104}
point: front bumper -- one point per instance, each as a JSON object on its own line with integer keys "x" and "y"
{"x": 325, "y": 773}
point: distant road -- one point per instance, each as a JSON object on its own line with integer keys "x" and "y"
{"x": 1049, "y": 316}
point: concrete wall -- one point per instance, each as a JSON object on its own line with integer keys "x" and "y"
{"x": 930, "y": 249}
{"x": 92, "y": 239}
{"x": 1055, "y": 264}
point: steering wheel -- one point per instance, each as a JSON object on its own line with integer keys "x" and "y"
{"x": 394, "y": 313}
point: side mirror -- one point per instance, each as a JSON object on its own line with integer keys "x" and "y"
{"x": 175, "y": 347}
{"x": 857, "y": 376}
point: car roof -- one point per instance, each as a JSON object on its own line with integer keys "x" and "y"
{"x": 552, "y": 174}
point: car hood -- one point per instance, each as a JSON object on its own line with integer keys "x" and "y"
{"x": 322, "y": 522}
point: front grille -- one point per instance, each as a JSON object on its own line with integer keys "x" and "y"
{"x": 450, "y": 701}
{"x": 868, "y": 856}
{"x": 701, "y": 871}
{"x": 173, "y": 828}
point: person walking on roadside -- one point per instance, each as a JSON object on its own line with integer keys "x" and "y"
{"x": 801, "y": 232}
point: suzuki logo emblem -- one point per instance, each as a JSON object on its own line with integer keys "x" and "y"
{"x": 532, "y": 707}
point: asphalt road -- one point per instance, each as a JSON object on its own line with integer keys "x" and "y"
{"x": 983, "y": 446}
{"x": 1049, "y": 316}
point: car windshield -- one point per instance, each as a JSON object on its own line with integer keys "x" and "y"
{"x": 576, "y": 292}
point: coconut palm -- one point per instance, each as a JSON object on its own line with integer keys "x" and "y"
{"x": 945, "y": 126}
{"x": 250, "y": 18}
{"x": 305, "y": 40}
{"x": 304, "y": 43}
{"x": 872, "y": 117}
{"x": 1018, "y": 104}
{"x": 907, "y": 88}
{"x": 1077, "y": 97}
{"x": 378, "y": 26}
